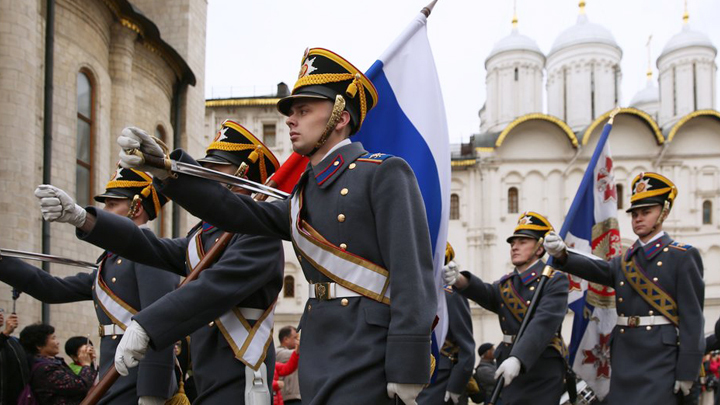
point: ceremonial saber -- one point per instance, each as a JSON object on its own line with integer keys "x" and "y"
{"x": 208, "y": 174}
{"x": 46, "y": 258}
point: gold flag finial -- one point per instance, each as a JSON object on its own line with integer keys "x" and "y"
{"x": 686, "y": 15}
{"x": 613, "y": 114}
{"x": 582, "y": 6}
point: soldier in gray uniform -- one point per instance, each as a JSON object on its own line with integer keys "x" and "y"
{"x": 244, "y": 281}
{"x": 119, "y": 288}
{"x": 534, "y": 369}
{"x": 358, "y": 225}
{"x": 658, "y": 343}
{"x": 457, "y": 355}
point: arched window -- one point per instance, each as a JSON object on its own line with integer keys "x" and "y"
{"x": 707, "y": 212}
{"x": 454, "y": 206}
{"x": 619, "y": 190}
{"x": 289, "y": 287}
{"x": 84, "y": 136}
{"x": 160, "y": 220}
{"x": 513, "y": 200}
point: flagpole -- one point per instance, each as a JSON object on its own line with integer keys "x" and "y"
{"x": 587, "y": 177}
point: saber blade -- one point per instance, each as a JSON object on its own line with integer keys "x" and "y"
{"x": 46, "y": 258}
{"x": 205, "y": 173}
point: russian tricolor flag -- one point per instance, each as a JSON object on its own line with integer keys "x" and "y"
{"x": 409, "y": 121}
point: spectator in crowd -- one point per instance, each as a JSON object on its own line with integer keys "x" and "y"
{"x": 289, "y": 341}
{"x": 14, "y": 370}
{"x": 52, "y": 381}
{"x": 485, "y": 372}
{"x": 73, "y": 346}
{"x": 282, "y": 370}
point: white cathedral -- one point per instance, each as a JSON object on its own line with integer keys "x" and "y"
{"x": 527, "y": 159}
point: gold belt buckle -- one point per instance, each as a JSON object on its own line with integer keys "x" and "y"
{"x": 633, "y": 321}
{"x": 322, "y": 291}
{"x": 100, "y": 331}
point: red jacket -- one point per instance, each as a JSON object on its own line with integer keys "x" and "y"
{"x": 281, "y": 370}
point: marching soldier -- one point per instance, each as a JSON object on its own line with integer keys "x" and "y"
{"x": 228, "y": 310}
{"x": 534, "y": 369}
{"x": 658, "y": 343}
{"x": 457, "y": 356}
{"x": 358, "y": 225}
{"x": 119, "y": 287}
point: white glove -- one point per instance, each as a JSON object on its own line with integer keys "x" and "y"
{"x": 450, "y": 273}
{"x": 406, "y": 392}
{"x": 554, "y": 244}
{"x": 136, "y": 138}
{"x": 509, "y": 369}
{"x": 132, "y": 348}
{"x": 148, "y": 400}
{"x": 57, "y": 206}
{"x": 451, "y": 396}
{"x": 685, "y": 386}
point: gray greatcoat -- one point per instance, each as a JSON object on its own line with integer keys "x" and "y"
{"x": 136, "y": 284}
{"x": 646, "y": 362}
{"x": 247, "y": 274}
{"x": 543, "y": 366}
{"x": 348, "y": 352}
{"x": 454, "y": 371}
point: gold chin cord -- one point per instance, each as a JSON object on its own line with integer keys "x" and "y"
{"x": 663, "y": 214}
{"x": 335, "y": 116}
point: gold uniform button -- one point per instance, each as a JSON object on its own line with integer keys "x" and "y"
{"x": 344, "y": 302}
{"x": 119, "y": 261}
{"x": 527, "y": 302}
{"x": 659, "y": 263}
{"x": 651, "y": 313}
{"x": 503, "y": 318}
{"x": 648, "y": 327}
{"x": 622, "y": 314}
{"x": 657, "y": 245}
{"x": 341, "y": 218}
{"x": 299, "y": 258}
{"x": 622, "y": 283}
{"x": 622, "y": 330}
{"x": 113, "y": 279}
{"x": 502, "y": 305}
{"x": 344, "y": 191}
{"x": 532, "y": 288}
{"x": 113, "y": 337}
{"x": 309, "y": 307}
{"x": 655, "y": 279}
{"x": 620, "y": 299}
{"x": 335, "y": 163}
{"x": 666, "y": 249}
{"x": 533, "y": 274}
{"x": 211, "y": 324}
{"x": 217, "y": 239}
{"x": 343, "y": 246}
{"x": 352, "y": 166}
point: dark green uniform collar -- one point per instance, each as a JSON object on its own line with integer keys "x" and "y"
{"x": 651, "y": 249}
{"x": 335, "y": 164}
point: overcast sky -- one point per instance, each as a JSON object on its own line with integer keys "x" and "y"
{"x": 253, "y": 45}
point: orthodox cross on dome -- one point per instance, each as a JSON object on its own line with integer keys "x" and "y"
{"x": 515, "y": 18}
{"x": 582, "y": 6}
{"x": 649, "y": 71}
{"x": 686, "y": 15}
